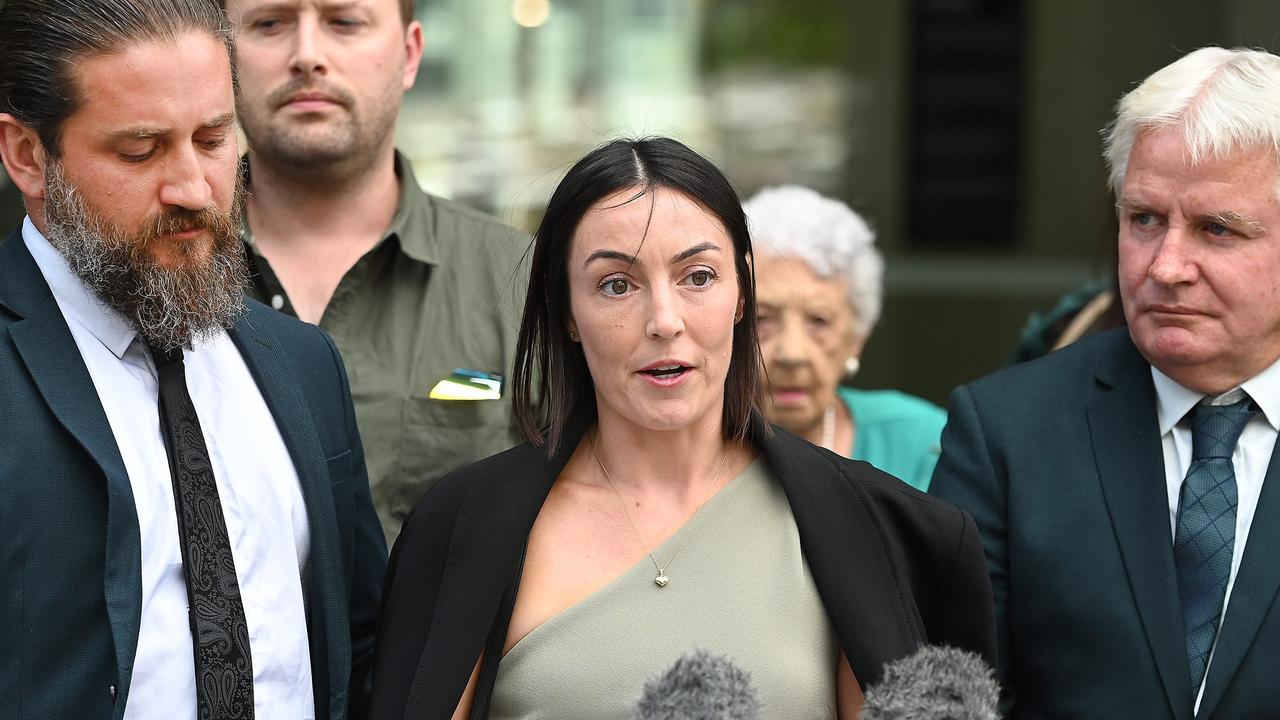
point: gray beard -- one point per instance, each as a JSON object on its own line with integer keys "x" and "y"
{"x": 170, "y": 308}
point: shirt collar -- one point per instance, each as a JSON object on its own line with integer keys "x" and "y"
{"x": 77, "y": 301}
{"x": 1174, "y": 401}
{"x": 413, "y": 209}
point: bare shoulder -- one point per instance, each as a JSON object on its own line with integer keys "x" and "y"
{"x": 575, "y": 549}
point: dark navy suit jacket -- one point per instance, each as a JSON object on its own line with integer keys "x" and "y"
{"x": 1059, "y": 461}
{"x": 70, "y": 552}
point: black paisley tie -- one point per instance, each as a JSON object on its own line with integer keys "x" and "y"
{"x": 220, "y": 635}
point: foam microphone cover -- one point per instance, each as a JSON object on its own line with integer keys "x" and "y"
{"x": 699, "y": 686}
{"x": 934, "y": 683}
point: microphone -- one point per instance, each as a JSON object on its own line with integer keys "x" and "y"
{"x": 699, "y": 686}
{"x": 934, "y": 683}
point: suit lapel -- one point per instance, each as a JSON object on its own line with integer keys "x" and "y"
{"x": 1253, "y": 594}
{"x": 330, "y": 639}
{"x": 1126, "y": 447}
{"x": 49, "y": 351}
{"x": 843, "y": 544}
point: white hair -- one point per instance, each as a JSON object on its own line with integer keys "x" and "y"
{"x": 1223, "y": 101}
{"x": 835, "y": 241}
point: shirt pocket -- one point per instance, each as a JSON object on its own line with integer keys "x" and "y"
{"x": 436, "y": 438}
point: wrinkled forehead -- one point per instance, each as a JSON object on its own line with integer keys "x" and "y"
{"x": 1163, "y": 164}
{"x": 636, "y": 220}
{"x": 791, "y": 281}
{"x": 236, "y": 9}
{"x": 154, "y": 85}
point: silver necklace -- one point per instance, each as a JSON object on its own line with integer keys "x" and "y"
{"x": 661, "y": 580}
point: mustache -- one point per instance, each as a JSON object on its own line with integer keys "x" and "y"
{"x": 282, "y": 94}
{"x": 221, "y": 225}
{"x": 179, "y": 219}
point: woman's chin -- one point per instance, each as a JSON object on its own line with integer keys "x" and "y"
{"x": 662, "y": 417}
{"x": 796, "y": 420}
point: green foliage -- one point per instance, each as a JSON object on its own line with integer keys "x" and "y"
{"x": 782, "y": 33}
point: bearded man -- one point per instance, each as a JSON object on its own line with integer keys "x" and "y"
{"x": 187, "y": 525}
{"x": 421, "y": 294}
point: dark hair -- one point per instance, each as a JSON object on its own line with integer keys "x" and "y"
{"x": 551, "y": 380}
{"x": 42, "y": 40}
{"x": 407, "y": 10}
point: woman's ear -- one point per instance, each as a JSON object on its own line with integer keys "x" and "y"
{"x": 751, "y": 283}
{"x": 855, "y": 344}
{"x": 573, "y": 331}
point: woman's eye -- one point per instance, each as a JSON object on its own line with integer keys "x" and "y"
{"x": 615, "y": 287}
{"x": 766, "y": 324}
{"x": 699, "y": 278}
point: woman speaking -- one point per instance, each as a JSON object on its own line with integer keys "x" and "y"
{"x": 651, "y": 510}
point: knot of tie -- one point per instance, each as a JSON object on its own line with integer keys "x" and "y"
{"x": 1215, "y": 429}
{"x": 164, "y": 357}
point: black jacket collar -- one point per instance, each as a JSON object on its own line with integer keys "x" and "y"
{"x": 861, "y": 582}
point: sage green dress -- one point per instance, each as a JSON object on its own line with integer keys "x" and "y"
{"x": 739, "y": 586}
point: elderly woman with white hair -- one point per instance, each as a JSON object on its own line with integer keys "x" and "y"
{"x": 819, "y": 284}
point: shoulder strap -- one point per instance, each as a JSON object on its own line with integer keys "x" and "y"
{"x": 493, "y": 646}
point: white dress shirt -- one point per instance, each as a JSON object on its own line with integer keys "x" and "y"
{"x": 257, "y": 484}
{"x": 1250, "y": 459}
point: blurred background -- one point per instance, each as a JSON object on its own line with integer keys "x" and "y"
{"x": 965, "y": 131}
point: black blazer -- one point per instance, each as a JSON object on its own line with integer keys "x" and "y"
{"x": 896, "y": 569}
{"x": 70, "y": 552}
{"x": 1059, "y": 460}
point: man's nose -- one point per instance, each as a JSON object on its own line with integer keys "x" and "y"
{"x": 185, "y": 183}
{"x": 1173, "y": 263}
{"x": 308, "y": 56}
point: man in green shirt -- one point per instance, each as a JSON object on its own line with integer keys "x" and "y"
{"x": 412, "y": 287}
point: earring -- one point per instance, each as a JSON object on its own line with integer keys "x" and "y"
{"x": 573, "y": 336}
{"x": 851, "y": 367}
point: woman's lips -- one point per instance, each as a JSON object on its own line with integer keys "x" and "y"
{"x": 789, "y": 397}
{"x": 666, "y": 379}
{"x": 1172, "y": 310}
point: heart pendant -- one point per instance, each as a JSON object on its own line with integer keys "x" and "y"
{"x": 661, "y": 580}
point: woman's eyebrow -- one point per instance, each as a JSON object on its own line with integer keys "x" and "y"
{"x": 699, "y": 248}
{"x": 609, "y": 255}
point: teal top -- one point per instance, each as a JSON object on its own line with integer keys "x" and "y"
{"x": 900, "y": 434}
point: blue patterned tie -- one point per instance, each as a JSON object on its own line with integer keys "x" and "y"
{"x": 1206, "y": 531}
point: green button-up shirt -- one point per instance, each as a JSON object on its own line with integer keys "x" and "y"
{"x": 440, "y": 291}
